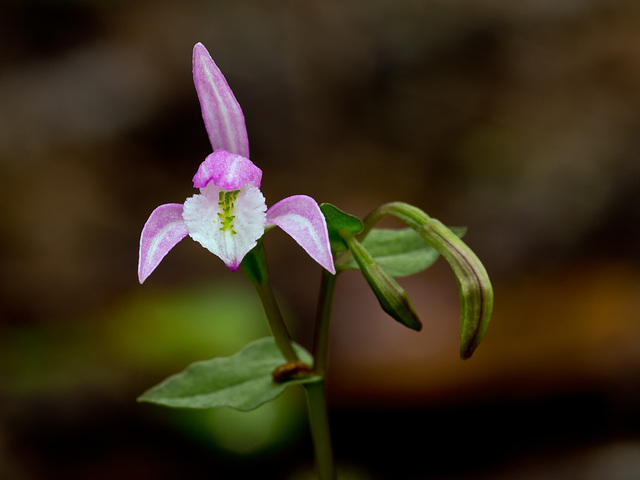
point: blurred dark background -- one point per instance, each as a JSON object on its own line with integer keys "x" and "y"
{"x": 520, "y": 120}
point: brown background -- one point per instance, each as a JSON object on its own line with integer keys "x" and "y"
{"x": 520, "y": 120}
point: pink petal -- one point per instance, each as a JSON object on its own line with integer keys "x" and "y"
{"x": 301, "y": 217}
{"x": 227, "y": 170}
{"x": 221, "y": 112}
{"x": 163, "y": 230}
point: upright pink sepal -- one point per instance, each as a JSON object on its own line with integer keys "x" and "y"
{"x": 301, "y": 217}
{"x": 221, "y": 111}
{"x": 163, "y": 230}
{"x": 227, "y": 170}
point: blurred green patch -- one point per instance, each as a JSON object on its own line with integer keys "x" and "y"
{"x": 121, "y": 351}
{"x": 257, "y": 432}
{"x": 176, "y": 327}
{"x": 150, "y": 332}
{"x": 49, "y": 358}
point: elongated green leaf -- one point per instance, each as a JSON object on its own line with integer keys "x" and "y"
{"x": 401, "y": 252}
{"x": 336, "y": 220}
{"x": 242, "y": 381}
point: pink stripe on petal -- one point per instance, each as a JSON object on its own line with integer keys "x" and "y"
{"x": 163, "y": 230}
{"x": 301, "y": 217}
{"x": 227, "y": 170}
{"x": 221, "y": 112}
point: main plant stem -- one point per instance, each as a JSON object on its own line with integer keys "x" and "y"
{"x": 323, "y": 323}
{"x": 255, "y": 266}
{"x": 316, "y": 392}
{"x": 319, "y": 424}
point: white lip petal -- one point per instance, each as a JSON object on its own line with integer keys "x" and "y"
{"x": 203, "y": 215}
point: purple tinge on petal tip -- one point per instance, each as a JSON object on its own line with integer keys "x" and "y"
{"x": 227, "y": 170}
{"x": 301, "y": 218}
{"x": 163, "y": 230}
{"x": 233, "y": 266}
{"x": 221, "y": 112}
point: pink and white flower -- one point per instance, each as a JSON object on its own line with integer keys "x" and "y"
{"x": 230, "y": 214}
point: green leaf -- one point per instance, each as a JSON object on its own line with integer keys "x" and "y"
{"x": 337, "y": 220}
{"x": 401, "y": 252}
{"x": 242, "y": 381}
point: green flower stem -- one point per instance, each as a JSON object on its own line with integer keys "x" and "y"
{"x": 254, "y": 265}
{"x": 319, "y": 424}
{"x": 476, "y": 293}
{"x": 323, "y": 323}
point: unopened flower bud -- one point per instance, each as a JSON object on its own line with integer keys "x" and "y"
{"x": 392, "y": 297}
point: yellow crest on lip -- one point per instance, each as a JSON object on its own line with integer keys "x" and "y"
{"x": 226, "y": 202}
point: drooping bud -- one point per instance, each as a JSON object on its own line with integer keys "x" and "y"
{"x": 392, "y": 297}
{"x": 476, "y": 292}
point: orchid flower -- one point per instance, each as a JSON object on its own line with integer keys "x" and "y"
{"x": 229, "y": 215}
